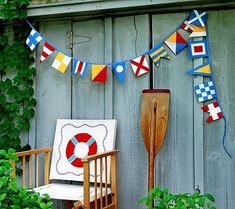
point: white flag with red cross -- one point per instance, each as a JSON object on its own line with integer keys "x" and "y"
{"x": 214, "y": 111}
{"x": 140, "y": 65}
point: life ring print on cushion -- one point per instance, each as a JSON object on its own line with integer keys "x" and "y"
{"x": 80, "y": 146}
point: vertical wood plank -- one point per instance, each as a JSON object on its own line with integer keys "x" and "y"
{"x": 219, "y": 168}
{"x": 86, "y": 184}
{"x": 88, "y": 44}
{"x": 108, "y": 57}
{"x": 172, "y": 170}
{"x": 53, "y": 89}
{"x": 37, "y": 170}
{"x": 46, "y": 168}
{"x": 114, "y": 180}
{"x": 95, "y": 173}
{"x": 130, "y": 38}
{"x": 198, "y": 131}
{"x": 24, "y": 171}
{"x": 30, "y": 171}
{"x": 101, "y": 183}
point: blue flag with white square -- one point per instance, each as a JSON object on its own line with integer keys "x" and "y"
{"x": 205, "y": 91}
{"x": 33, "y": 39}
{"x": 119, "y": 71}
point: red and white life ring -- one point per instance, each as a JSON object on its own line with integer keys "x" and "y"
{"x": 79, "y": 146}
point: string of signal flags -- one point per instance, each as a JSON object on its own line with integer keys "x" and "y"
{"x": 195, "y": 25}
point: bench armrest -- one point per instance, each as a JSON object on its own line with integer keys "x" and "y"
{"x": 99, "y": 155}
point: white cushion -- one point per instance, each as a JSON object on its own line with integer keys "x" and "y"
{"x": 68, "y": 191}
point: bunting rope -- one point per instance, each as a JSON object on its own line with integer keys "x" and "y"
{"x": 195, "y": 24}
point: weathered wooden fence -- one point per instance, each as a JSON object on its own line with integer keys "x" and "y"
{"x": 192, "y": 152}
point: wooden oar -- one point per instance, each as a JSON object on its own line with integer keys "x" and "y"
{"x": 154, "y": 117}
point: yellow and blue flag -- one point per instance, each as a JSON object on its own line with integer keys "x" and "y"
{"x": 157, "y": 53}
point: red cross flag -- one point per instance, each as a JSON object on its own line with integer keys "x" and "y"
{"x": 214, "y": 111}
{"x": 140, "y": 65}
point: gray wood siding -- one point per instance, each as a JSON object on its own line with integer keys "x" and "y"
{"x": 178, "y": 166}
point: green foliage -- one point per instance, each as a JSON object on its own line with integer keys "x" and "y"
{"x": 166, "y": 200}
{"x": 16, "y": 75}
{"x": 13, "y": 196}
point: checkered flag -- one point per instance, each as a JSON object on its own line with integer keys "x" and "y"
{"x": 205, "y": 91}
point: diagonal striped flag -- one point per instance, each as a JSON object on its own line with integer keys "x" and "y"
{"x": 140, "y": 65}
{"x": 198, "y": 17}
{"x": 46, "y": 51}
{"x": 157, "y": 53}
{"x": 80, "y": 67}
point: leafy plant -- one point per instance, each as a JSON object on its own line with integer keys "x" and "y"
{"x": 16, "y": 75}
{"x": 14, "y": 197}
{"x": 166, "y": 200}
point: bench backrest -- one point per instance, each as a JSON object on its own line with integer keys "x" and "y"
{"x": 76, "y": 139}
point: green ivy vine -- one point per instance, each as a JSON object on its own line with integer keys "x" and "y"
{"x": 17, "y": 105}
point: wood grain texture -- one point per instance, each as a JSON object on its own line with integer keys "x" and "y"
{"x": 120, "y": 38}
{"x": 219, "y": 168}
{"x": 172, "y": 168}
{"x": 53, "y": 89}
{"x": 88, "y": 98}
{"x": 130, "y": 38}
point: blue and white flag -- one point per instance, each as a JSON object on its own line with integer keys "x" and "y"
{"x": 33, "y": 39}
{"x": 205, "y": 91}
{"x": 80, "y": 67}
{"x": 198, "y": 17}
{"x": 119, "y": 71}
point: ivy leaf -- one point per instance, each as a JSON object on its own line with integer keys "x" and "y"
{"x": 2, "y": 197}
{"x": 210, "y": 197}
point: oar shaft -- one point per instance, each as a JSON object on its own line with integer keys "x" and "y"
{"x": 152, "y": 146}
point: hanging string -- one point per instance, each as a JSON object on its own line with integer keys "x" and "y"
{"x": 147, "y": 52}
{"x": 213, "y": 80}
{"x": 126, "y": 61}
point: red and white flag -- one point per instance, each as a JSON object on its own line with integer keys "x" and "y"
{"x": 140, "y": 65}
{"x": 214, "y": 110}
{"x": 187, "y": 26}
{"x": 46, "y": 51}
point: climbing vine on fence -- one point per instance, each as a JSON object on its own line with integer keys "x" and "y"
{"x": 16, "y": 75}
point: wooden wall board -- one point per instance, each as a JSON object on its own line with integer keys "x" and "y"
{"x": 172, "y": 168}
{"x": 130, "y": 38}
{"x": 219, "y": 168}
{"x": 88, "y": 44}
{"x": 114, "y": 39}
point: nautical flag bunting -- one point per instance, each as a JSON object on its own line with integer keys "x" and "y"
{"x": 205, "y": 91}
{"x": 176, "y": 42}
{"x": 186, "y": 26}
{"x": 79, "y": 67}
{"x": 61, "y": 62}
{"x": 203, "y": 70}
{"x": 140, "y": 65}
{"x": 99, "y": 73}
{"x": 214, "y": 111}
{"x": 33, "y": 39}
{"x": 119, "y": 71}
{"x": 198, "y": 31}
{"x": 198, "y": 49}
{"x": 46, "y": 51}
{"x": 198, "y": 17}
{"x": 157, "y": 53}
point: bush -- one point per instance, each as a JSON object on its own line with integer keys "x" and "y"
{"x": 13, "y": 196}
{"x": 165, "y": 200}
